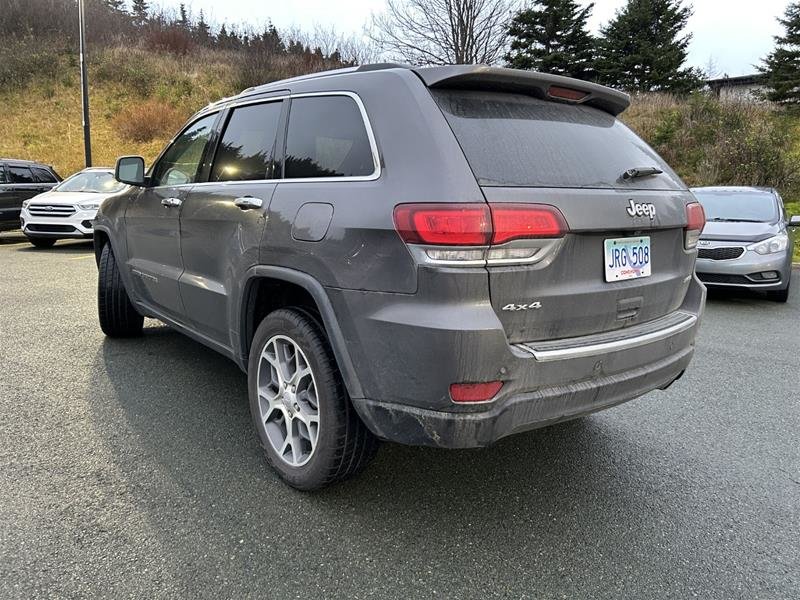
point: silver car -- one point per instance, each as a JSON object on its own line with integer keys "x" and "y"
{"x": 747, "y": 241}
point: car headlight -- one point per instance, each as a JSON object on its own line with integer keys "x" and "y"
{"x": 89, "y": 205}
{"x": 778, "y": 243}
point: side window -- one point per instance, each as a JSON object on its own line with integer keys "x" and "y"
{"x": 327, "y": 138}
{"x": 43, "y": 175}
{"x": 247, "y": 149}
{"x": 181, "y": 162}
{"x": 2, "y": 173}
{"x": 20, "y": 175}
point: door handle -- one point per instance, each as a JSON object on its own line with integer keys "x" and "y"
{"x": 248, "y": 202}
{"x": 171, "y": 202}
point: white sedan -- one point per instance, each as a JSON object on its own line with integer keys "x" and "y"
{"x": 67, "y": 211}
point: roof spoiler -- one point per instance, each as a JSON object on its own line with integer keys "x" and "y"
{"x": 541, "y": 85}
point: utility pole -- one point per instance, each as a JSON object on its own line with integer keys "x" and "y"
{"x": 87, "y": 141}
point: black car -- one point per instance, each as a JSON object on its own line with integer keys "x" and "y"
{"x": 20, "y": 180}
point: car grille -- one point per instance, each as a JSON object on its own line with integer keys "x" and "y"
{"x": 725, "y": 253}
{"x": 720, "y": 278}
{"x": 51, "y": 210}
{"x": 50, "y": 228}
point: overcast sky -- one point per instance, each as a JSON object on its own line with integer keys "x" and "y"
{"x": 736, "y": 33}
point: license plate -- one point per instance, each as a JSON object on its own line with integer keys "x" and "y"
{"x": 627, "y": 258}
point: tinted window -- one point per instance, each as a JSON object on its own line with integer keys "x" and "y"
{"x": 20, "y": 175}
{"x": 247, "y": 149}
{"x": 98, "y": 182}
{"x": 738, "y": 206}
{"x": 181, "y": 162}
{"x": 517, "y": 140}
{"x": 327, "y": 138}
{"x": 43, "y": 175}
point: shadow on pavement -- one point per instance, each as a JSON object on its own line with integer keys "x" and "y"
{"x": 61, "y": 247}
{"x": 180, "y": 409}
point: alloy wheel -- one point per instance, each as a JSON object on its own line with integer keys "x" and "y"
{"x": 287, "y": 400}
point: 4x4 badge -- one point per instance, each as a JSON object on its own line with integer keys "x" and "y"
{"x": 531, "y": 306}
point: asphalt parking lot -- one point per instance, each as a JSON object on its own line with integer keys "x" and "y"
{"x": 130, "y": 469}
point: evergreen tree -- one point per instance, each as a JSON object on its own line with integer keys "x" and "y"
{"x": 183, "y": 18}
{"x": 551, "y": 36}
{"x": 202, "y": 30}
{"x": 642, "y": 48}
{"x": 273, "y": 43}
{"x": 782, "y": 66}
{"x": 139, "y": 11}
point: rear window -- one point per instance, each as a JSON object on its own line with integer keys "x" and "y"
{"x": 327, "y": 138}
{"x": 517, "y": 140}
{"x": 43, "y": 175}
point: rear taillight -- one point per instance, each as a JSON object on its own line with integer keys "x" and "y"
{"x": 464, "y": 393}
{"x": 477, "y": 224}
{"x": 695, "y": 221}
{"x": 444, "y": 224}
{"x": 526, "y": 221}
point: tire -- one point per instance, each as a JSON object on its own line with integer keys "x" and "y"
{"x": 118, "y": 317}
{"x": 42, "y": 242}
{"x": 342, "y": 445}
{"x": 779, "y": 295}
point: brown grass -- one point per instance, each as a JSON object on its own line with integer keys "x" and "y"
{"x": 148, "y": 120}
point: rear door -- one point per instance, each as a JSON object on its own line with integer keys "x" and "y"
{"x": 526, "y": 151}
{"x": 152, "y": 220}
{"x": 223, "y": 219}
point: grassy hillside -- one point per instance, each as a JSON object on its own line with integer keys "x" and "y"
{"x": 139, "y": 98}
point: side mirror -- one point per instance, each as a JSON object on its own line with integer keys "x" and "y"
{"x": 794, "y": 221}
{"x": 130, "y": 170}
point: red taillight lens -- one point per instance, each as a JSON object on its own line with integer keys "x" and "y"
{"x": 476, "y": 224}
{"x": 475, "y": 392}
{"x": 444, "y": 224}
{"x": 695, "y": 221}
{"x": 520, "y": 221}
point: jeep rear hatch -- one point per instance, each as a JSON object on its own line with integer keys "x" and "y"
{"x": 526, "y": 148}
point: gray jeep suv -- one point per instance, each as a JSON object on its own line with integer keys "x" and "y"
{"x": 441, "y": 256}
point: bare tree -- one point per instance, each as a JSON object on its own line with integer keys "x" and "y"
{"x": 443, "y": 32}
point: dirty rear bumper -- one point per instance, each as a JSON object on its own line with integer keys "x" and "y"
{"x": 416, "y": 426}
{"x": 408, "y": 349}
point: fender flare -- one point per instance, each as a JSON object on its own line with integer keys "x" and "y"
{"x": 329, "y": 320}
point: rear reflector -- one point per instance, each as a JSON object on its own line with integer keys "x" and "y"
{"x": 525, "y": 221}
{"x": 474, "y": 392}
{"x": 477, "y": 224}
{"x": 444, "y": 224}
{"x": 563, "y": 93}
{"x": 695, "y": 221}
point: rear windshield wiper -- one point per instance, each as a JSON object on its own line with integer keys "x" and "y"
{"x": 724, "y": 220}
{"x": 641, "y": 172}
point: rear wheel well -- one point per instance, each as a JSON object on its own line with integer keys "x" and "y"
{"x": 266, "y": 295}
{"x": 100, "y": 240}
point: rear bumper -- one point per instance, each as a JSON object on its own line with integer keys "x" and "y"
{"x": 523, "y": 412}
{"x": 406, "y": 352}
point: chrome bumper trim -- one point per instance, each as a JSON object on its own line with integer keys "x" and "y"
{"x": 588, "y": 348}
